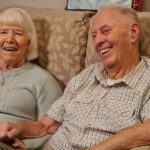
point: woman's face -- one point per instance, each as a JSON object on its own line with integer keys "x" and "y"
{"x": 14, "y": 43}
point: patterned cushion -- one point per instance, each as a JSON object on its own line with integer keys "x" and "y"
{"x": 67, "y": 43}
{"x": 145, "y": 33}
{"x": 141, "y": 148}
{"x": 144, "y": 44}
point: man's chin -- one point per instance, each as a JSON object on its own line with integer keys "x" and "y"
{"x": 107, "y": 65}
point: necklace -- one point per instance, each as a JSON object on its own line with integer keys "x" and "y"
{"x": 2, "y": 82}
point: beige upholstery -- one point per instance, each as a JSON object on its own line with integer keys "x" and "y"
{"x": 141, "y": 148}
{"x": 65, "y": 46}
{"x": 145, "y": 34}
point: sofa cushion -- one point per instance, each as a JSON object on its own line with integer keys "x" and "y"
{"x": 144, "y": 44}
{"x": 67, "y": 43}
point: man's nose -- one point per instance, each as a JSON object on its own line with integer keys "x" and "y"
{"x": 100, "y": 38}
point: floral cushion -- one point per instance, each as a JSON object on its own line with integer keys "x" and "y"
{"x": 67, "y": 43}
{"x": 145, "y": 33}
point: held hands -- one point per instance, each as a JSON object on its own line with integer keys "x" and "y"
{"x": 8, "y": 131}
{"x": 8, "y": 134}
{"x": 16, "y": 143}
{"x": 54, "y": 128}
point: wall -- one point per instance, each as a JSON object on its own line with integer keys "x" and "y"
{"x": 56, "y": 4}
{"x": 146, "y": 5}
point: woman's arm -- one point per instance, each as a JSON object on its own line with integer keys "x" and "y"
{"x": 31, "y": 129}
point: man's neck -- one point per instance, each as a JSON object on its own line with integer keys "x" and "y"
{"x": 119, "y": 71}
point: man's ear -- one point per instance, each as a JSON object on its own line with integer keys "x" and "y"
{"x": 134, "y": 32}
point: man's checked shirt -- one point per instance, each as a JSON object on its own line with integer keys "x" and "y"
{"x": 91, "y": 110}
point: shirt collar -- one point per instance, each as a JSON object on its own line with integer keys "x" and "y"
{"x": 101, "y": 75}
{"x": 133, "y": 76}
{"x": 130, "y": 79}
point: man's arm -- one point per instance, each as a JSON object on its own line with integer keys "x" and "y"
{"x": 134, "y": 136}
{"x": 29, "y": 129}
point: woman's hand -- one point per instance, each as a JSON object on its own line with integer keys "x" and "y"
{"x": 8, "y": 134}
{"x": 8, "y": 131}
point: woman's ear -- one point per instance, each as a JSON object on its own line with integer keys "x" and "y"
{"x": 29, "y": 42}
{"x": 134, "y": 32}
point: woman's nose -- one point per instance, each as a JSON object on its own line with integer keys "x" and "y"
{"x": 10, "y": 38}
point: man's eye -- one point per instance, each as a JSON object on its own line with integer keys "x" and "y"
{"x": 106, "y": 31}
{"x": 93, "y": 36}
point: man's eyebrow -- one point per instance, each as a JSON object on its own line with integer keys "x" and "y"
{"x": 105, "y": 26}
{"x": 100, "y": 28}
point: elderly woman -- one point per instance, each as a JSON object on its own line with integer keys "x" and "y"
{"x": 26, "y": 90}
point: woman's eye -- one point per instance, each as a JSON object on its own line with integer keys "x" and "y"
{"x": 18, "y": 33}
{"x": 2, "y": 32}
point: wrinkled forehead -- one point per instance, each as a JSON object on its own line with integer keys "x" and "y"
{"x": 13, "y": 20}
{"x": 109, "y": 17}
{"x": 12, "y": 27}
{"x": 103, "y": 18}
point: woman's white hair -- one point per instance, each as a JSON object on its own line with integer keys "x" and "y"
{"x": 19, "y": 17}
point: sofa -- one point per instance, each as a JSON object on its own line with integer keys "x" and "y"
{"x": 64, "y": 41}
{"x": 65, "y": 46}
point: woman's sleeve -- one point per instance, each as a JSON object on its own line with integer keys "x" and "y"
{"x": 48, "y": 91}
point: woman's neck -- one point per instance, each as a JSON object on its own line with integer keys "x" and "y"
{"x": 4, "y": 66}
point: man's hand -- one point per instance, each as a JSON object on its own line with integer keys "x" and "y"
{"x": 131, "y": 137}
{"x": 18, "y": 144}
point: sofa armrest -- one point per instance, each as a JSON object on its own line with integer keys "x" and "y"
{"x": 141, "y": 148}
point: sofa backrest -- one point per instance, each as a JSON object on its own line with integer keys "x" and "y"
{"x": 65, "y": 46}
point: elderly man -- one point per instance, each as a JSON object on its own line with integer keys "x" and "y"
{"x": 102, "y": 100}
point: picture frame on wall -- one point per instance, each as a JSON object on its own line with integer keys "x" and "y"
{"x": 96, "y": 4}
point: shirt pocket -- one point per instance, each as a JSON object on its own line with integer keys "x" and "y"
{"x": 78, "y": 108}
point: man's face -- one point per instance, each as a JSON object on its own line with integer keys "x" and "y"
{"x": 111, "y": 36}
